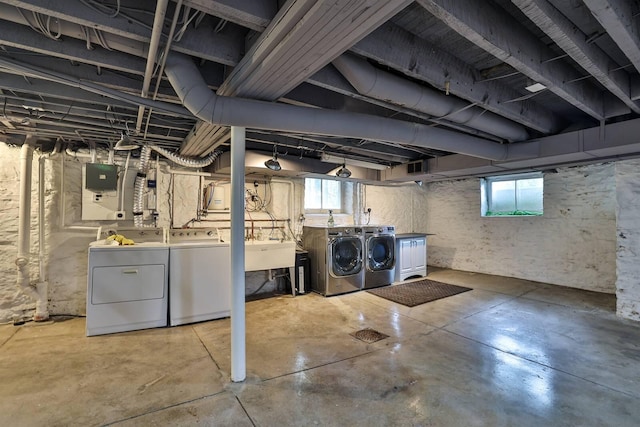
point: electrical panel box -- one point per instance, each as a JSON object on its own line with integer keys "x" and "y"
{"x": 99, "y": 192}
{"x": 101, "y": 177}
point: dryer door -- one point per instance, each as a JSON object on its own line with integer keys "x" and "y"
{"x": 345, "y": 256}
{"x": 380, "y": 253}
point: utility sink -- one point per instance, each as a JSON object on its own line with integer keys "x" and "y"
{"x": 269, "y": 254}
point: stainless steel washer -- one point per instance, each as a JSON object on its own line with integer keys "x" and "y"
{"x": 380, "y": 259}
{"x": 337, "y": 259}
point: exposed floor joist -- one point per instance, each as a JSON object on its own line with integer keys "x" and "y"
{"x": 574, "y": 42}
{"x": 396, "y": 48}
{"x": 619, "y": 20}
{"x": 484, "y": 25}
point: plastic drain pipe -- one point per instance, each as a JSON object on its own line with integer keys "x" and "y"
{"x": 24, "y": 229}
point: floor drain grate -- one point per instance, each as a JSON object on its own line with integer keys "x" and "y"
{"x": 369, "y": 335}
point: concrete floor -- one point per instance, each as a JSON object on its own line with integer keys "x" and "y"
{"x": 510, "y": 352}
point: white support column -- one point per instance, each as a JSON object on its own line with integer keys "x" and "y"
{"x": 238, "y": 347}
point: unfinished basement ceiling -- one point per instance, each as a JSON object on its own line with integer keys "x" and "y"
{"x": 471, "y": 60}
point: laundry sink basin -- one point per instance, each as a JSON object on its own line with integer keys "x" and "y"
{"x": 269, "y": 254}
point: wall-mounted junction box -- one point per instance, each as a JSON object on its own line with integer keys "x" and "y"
{"x": 99, "y": 192}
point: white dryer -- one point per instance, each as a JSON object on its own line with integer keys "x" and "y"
{"x": 200, "y": 276}
{"x": 127, "y": 288}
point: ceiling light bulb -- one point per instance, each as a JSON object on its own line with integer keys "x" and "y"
{"x": 343, "y": 172}
{"x": 125, "y": 143}
{"x": 273, "y": 163}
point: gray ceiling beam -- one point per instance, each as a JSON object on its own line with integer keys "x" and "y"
{"x": 61, "y": 111}
{"x": 304, "y": 37}
{"x": 395, "y": 47}
{"x": 19, "y": 36}
{"x": 202, "y": 42}
{"x": 344, "y": 145}
{"x": 130, "y": 38}
{"x": 78, "y": 13}
{"x": 574, "y": 42}
{"x": 619, "y": 20}
{"x": 115, "y": 80}
{"x": 486, "y": 26}
{"x": 253, "y": 14}
{"x": 56, "y": 90}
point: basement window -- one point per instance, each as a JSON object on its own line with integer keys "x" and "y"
{"x": 512, "y": 195}
{"x": 321, "y": 195}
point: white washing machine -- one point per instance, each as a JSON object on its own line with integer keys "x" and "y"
{"x": 199, "y": 276}
{"x": 128, "y": 285}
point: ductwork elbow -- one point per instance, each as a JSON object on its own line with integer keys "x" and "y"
{"x": 228, "y": 111}
{"x": 190, "y": 87}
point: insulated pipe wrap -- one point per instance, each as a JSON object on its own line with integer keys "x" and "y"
{"x": 138, "y": 189}
{"x": 186, "y": 161}
{"x": 375, "y": 83}
{"x": 226, "y": 111}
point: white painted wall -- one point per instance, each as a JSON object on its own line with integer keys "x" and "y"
{"x": 628, "y": 238}
{"x": 573, "y": 244}
{"x": 13, "y": 304}
{"x": 66, "y": 246}
{"x": 403, "y": 206}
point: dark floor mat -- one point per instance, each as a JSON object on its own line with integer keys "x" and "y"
{"x": 416, "y": 293}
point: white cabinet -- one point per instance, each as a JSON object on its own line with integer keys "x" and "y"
{"x": 411, "y": 253}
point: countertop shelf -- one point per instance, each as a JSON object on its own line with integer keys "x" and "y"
{"x": 412, "y": 235}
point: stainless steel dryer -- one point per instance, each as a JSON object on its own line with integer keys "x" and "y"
{"x": 380, "y": 258}
{"x": 337, "y": 258}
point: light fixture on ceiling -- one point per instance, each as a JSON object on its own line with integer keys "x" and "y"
{"x": 125, "y": 143}
{"x": 535, "y": 87}
{"x": 328, "y": 158}
{"x": 343, "y": 172}
{"x": 273, "y": 162}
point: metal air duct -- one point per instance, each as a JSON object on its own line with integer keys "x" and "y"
{"x": 206, "y": 105}
{"x": 378, "y": 84}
